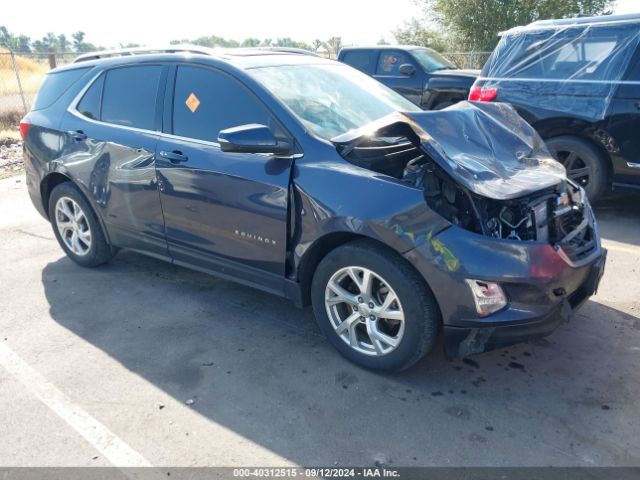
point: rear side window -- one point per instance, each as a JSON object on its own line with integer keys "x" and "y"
{"x": 363, "y": 60}
{"x": 54, "y": 85}
{"x": 389, "y": 62}
{"x": 207, "y": 101}
{"x": 90, "y": 104}
{"x": 129, "y": 96}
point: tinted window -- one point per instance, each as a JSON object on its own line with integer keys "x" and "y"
{"x": 89, "y": 106}
{"x": 54, "y": 85}
{"x": 390, "y": 62}
{"x": 129, "y": 96}
{"x": 362, "y": 60}
{"x": 207, "y": 101}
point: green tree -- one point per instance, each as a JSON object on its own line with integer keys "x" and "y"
{"x": 333, "y": 46}
{"x": 415, "y": 32}
{"x": 250, "y": 42}
{"x": 475, "y": 24}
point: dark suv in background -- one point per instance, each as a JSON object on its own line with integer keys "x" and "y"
{"x": 419, "y": 74}
{"x": 577, "y": 82}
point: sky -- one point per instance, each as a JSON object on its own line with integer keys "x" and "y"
{"x": 111, "y": 22}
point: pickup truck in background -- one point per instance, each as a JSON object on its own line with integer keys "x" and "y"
{"x": 420, "y": 74}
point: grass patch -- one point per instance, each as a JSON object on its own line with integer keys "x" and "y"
{"x": 11, "y": 133}
{"x": 31, "y": 74}
{"x": 11, "y": 173}
{"x": 9, "y": 121}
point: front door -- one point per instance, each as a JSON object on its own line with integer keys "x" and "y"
{"x": 388, "y": 72}
{"x": 221, "y": 210}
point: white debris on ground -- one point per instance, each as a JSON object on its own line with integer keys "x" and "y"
{"x": 10, "y": 156}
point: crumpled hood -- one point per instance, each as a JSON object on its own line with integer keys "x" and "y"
{"x": 487, "y": 147}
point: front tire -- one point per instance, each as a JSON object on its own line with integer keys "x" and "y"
{"x": 374, "y": 308}
{"x": 77, "y": 228}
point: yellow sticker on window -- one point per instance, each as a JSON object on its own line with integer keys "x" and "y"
{"x": 192, "y": 102}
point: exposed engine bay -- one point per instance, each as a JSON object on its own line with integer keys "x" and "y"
{"x": 555, "y": 212}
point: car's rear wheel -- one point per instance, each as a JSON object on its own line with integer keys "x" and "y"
{"x": 374, "y": 307}
{"x": 76, "y": 227}
{"x": 584, "y": 163}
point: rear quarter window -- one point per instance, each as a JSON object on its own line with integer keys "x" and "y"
{"x": 363, "y": 60}
{"x": 54, "y": 85}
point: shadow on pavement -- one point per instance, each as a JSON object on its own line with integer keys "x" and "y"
{"x": 259, "y": 366}
{"x": 618, "y": 216}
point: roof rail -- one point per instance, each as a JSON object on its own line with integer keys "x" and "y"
{"x": 123, "y": 52}
{"x": 299, "y": 51}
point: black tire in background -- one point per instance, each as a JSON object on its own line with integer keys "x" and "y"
{"x": 584, "y": 162}
{"x": 445, "y": 104}
{"x": 418, "y": 305}
{"x": 99, "y": 251}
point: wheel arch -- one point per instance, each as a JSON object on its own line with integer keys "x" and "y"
{"x": 51, "y": 181}
{"x": 48, "y": 183}
{"x": 326, "y": 244}
{"x": 571, "y": 127}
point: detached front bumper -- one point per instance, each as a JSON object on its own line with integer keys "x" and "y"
{"x": 542, "y": 288}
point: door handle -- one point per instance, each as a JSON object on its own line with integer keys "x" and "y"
{"x": 77, "y": 135}
{"x": 174, "y": 156}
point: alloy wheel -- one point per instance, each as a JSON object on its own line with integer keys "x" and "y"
{"x": 577, "y": 169}
{"x": 73, "y": 226}
{"x": 364, "y": 311}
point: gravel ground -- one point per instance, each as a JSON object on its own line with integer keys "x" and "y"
{"x": 10, "y": 156}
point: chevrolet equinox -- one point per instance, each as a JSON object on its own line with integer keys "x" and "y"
{"x": 308, "y": 179}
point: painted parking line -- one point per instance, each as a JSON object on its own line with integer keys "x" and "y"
{"x": 621, "y": 247}
{"x": 99, "y": 436}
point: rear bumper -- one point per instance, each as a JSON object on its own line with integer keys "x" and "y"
{"x": 542, "y": 288}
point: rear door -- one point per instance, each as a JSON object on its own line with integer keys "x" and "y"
{"x": 624, "y": 125}
{"x": 223, "y": 211}
{"x": 109, "y": 150}
{"x": 388, "y": 72}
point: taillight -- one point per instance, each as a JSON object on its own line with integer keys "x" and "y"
{"x": 24, "y": 129}
{"x": 482, "y": 94}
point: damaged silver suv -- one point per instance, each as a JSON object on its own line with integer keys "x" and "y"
{"x": 308, "y": 179}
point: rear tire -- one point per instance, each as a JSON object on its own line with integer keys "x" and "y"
{"x": 77, "y": 228}
{"x": 388, "y": 326}
{"x": 445, "y": 104}
{"x": 584, "y": 163}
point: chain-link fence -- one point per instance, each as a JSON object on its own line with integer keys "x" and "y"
{"x": 474, "y": 60}
{"x": 20, "y": 76}
{"x": 22, "y": 72}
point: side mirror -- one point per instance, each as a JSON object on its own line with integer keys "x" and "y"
{"x": 407, "y": 69}
{"x": 252, "y": 138}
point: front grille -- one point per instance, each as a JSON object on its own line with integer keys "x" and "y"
{"x": 577, "y": 234}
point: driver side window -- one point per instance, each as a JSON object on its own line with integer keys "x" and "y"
{"x": 390, "y": 61}
{"x": 207, "y": 101}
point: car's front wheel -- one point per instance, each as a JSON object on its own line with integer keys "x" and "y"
{"x": 76, "y": 227}
{"x": 374, "y": 307}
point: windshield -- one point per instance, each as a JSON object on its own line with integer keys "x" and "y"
{"x": 431, "y": 60}
{"x": 331, "y": 99}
